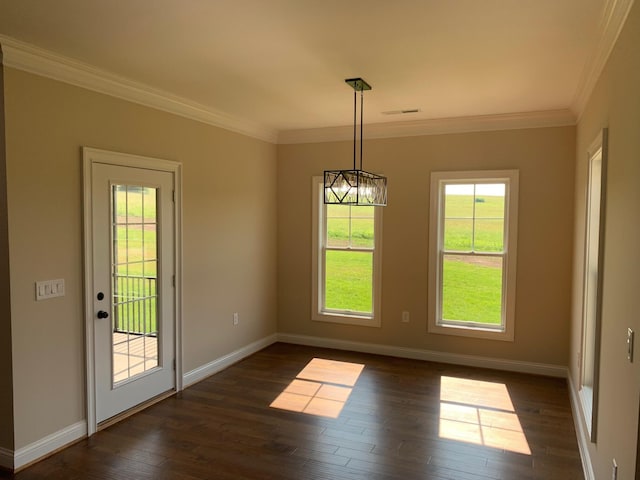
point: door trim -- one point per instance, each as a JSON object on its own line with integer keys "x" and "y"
{"x": 91, "y": 156}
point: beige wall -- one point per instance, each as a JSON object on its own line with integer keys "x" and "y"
{"x": 230, "y": 262}
{"x": 615, "y": 103}
{"x": 229, "y": 214}
{"x": 545, "y": 158}
{"x": 6, "y": 391}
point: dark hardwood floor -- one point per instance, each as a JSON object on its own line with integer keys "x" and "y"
{"x": 395, "y": 419}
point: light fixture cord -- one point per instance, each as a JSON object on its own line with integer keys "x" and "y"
{"x": 355, "y": 104}
{"x": 361, "y": 120}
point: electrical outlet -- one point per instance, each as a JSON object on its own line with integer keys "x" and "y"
{"x": 614, "y": 471}
{"x": 405, "y": 317}
{"x": 235, "y": 318}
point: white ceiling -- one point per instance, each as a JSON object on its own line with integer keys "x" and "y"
{"x": 282, "y": 63}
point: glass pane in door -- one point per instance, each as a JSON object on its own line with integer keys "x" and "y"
{"x": 134, "y": 260}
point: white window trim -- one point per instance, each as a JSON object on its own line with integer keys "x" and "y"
{"x": 510, "y": 241}
{"x": 589, "y": 394}
{"x": 317, "y": 266}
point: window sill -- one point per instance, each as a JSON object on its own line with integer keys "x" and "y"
{"x": 346, "y": 319}
{"x": 586, "y": 399}
{"x": 473, "y": 332}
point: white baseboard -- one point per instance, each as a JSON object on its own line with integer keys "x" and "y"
{"x": 221, "y": 363}
{"x": 429, "y": 355}
{"x": 6, "y": 458}
{"x": 581, "y": 431}
{"x": 43, "y": 447}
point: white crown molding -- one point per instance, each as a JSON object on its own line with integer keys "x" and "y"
{"x": 32, "y": 59}
{"x": 42, "y": 62}
{"x": 480, "y": 123}
{"x": 613, "y": 18}
{"x": 428, "y": 355}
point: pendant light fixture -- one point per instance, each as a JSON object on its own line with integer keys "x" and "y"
{"x": 356, "y": 186}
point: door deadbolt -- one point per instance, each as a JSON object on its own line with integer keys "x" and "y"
{"x": 100, "y": 295}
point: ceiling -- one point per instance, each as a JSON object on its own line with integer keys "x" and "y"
{"x": 281, "y": 64}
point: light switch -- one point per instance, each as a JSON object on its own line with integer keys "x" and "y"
{"x": 49, "y": 289}
{"x": 59, "y": 286}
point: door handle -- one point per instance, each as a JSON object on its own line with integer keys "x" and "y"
{"x": 103, "y": 314}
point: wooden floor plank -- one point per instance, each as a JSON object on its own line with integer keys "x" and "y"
{"x": 396, "y": 419}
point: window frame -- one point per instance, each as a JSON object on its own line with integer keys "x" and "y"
{"x": 589, "y": 385}
{"x": 436, "y": 253}
{"x": 319, "y": 225}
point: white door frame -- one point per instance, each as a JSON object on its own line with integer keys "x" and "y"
{"x": 91, "y": 156}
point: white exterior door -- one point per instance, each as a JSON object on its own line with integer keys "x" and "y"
{"x": 133, "y": 276}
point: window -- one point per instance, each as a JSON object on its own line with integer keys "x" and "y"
{"x": 346, "y": 262}
{"x": 472, "y": 256}
{"x": 592, "y": 281}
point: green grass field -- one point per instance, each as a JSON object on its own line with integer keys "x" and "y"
{"x": 342, "y": 232}
{"x": 349, "y": 284}
{"x": 349, "y": 274}
{"x": 137, "y": 316}
{"x": 136, "y": 252}
{"x": 134, "y": 201}
{"x": 459, "y": 223}
{"x": 136, "y": 244}
{"x": 472, "y": 290}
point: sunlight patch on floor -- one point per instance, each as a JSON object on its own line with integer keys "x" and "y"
{"x": 482, "y": 413}
{"x": 321, "y": 388}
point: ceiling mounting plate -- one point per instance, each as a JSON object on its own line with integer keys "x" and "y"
{"x": 358, "y": 84}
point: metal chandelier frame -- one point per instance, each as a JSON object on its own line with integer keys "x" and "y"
{"x": 355, "y": 186}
